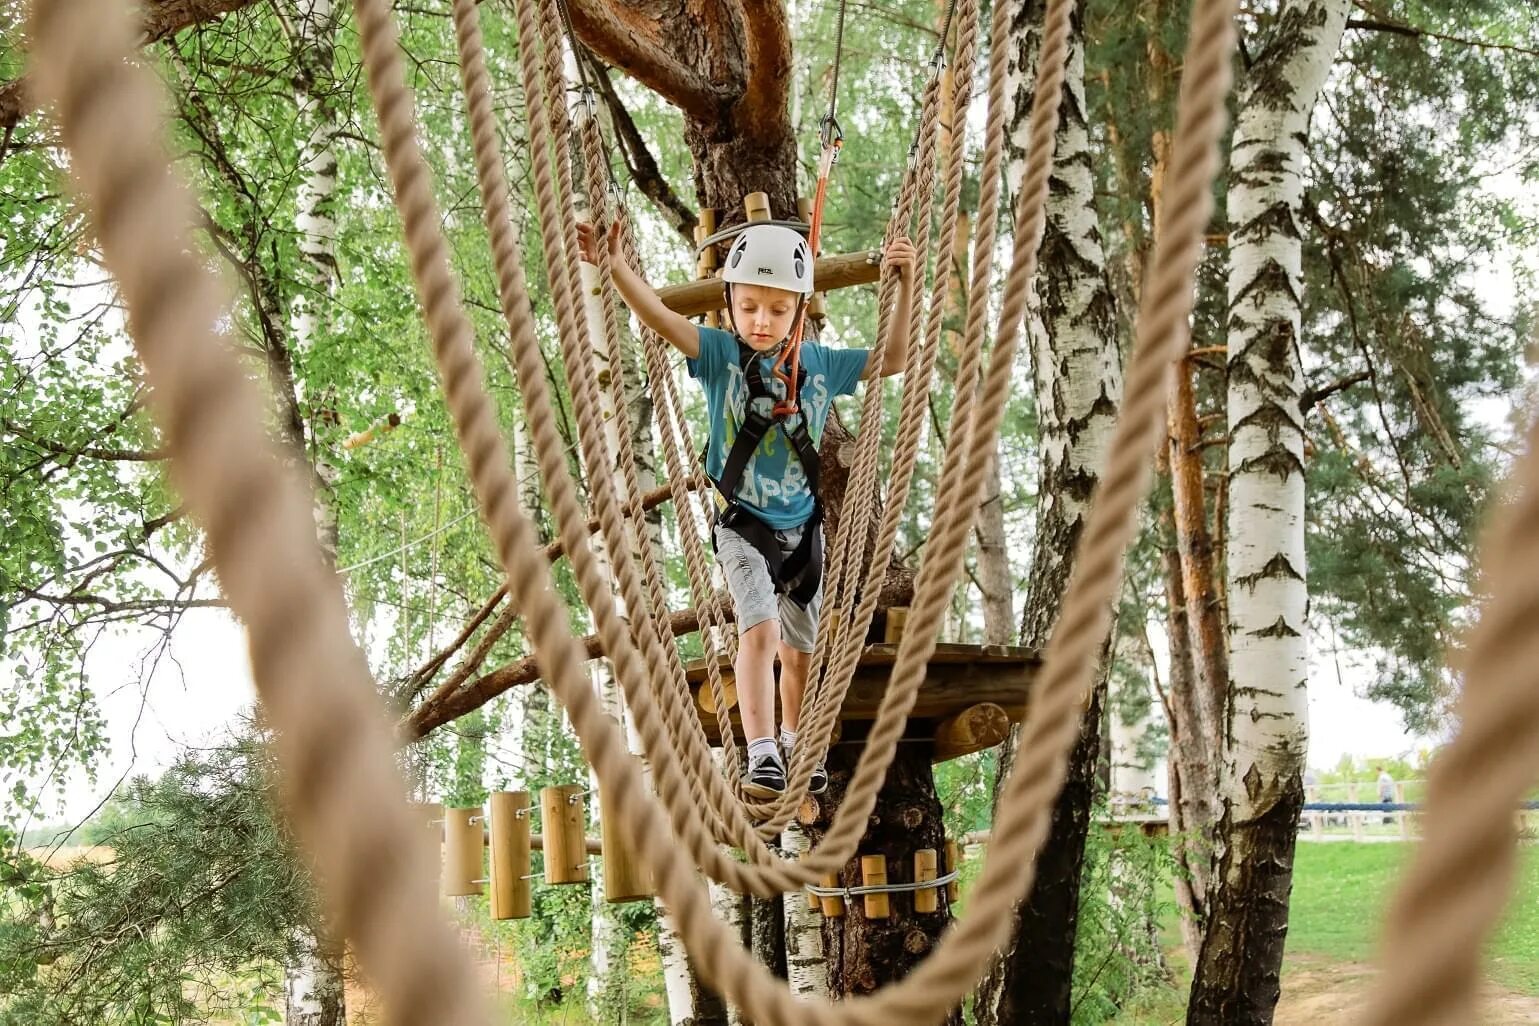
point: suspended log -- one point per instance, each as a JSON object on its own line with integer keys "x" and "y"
{"x": 462, "y": 865}
{"x": 625, "y": 877}
{"x": 510, "y": 843}
{"x": 972, "y": 730}
{"x": 566, "y": 858}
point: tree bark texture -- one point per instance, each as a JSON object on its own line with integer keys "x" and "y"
{"x": 727, "y": 68}
{"x": 806, "y": 966}
{"x": 1078, "y": 381}
{"x": 865, "y": 954}
{"x": 1236, "y": 980}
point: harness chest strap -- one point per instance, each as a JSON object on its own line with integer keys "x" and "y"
{"x": 800, "y": 573}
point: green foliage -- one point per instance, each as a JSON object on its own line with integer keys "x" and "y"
{"x": 1122, "y": 898}
{"x": 187, "y": 916}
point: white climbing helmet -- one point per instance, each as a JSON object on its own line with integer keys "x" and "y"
{"x": 768, "y": 254}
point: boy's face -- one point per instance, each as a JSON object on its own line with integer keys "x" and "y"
{"x": 763, "y": 315}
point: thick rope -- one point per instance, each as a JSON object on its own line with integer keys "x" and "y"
{"x": 1449, "y": 901}
{"x": 339, "y": 783}
{"x": 671, "y": 690}
{"x": 529, "y": 364}
{"x": 936, "y": 984}
{"x": 916, "y": 384}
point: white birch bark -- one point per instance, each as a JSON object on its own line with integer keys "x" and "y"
{"x": 1268, "y": 730}
{"x": 806, "y": 966}
{"x": 1135, "y": 773}
{"x": 313, "y": 988}
{"x": 1078, "y": 379}
{"x": 1237, "y": 978}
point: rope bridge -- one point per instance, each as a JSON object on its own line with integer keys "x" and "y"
{"x": 342, "y": 792}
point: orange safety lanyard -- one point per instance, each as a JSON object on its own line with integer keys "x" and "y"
{"x": 791, "y": 354}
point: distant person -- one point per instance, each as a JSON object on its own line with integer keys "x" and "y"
{"x": 1311, "y": 785}
{"x": 1386, "y": 790}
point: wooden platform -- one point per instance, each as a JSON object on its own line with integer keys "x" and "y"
{"x": 960, "y": 679}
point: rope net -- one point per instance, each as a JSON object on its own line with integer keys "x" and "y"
{"x": 344, "y": 796}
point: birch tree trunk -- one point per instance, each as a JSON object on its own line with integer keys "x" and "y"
{"x": 1236, "y": 981}
{"x": 1079, "y": 388}
{"x": 313, "y": 986}
{"x": 806, "y": 965}
{"x": 1134, "y": 769}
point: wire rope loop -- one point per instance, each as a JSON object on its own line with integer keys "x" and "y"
{"x": 888, "y": 888}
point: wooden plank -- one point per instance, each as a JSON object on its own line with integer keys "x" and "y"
{"x": 831, "y": 272}
{"x": 948, "y": 690}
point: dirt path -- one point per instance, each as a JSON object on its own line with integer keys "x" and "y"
{"x": 1316, "y": 991}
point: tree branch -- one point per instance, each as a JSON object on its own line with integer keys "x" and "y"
{"x": 159, "y": 19}
{"x": 768, "y": 36}
{"x": 631, "y": 42}
{"x": 1411, "y": 31}
{"x": 1312, "y": 396}
{"x": 433, "y": 714}
{"x": 89, "y": 452}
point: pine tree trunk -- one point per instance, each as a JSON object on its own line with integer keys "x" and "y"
{"x": 864, "y": 954}
{"x": 1079, "y": 388}
{"x": 1237, "y": 977}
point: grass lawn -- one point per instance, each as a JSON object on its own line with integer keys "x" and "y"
{"x": 1339, "y": 895}
{"x": 1340, "y": 891}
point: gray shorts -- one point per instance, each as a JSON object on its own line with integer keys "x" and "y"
{"x": 753, "y": 592}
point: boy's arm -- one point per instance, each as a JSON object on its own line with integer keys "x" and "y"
{"x": 901, "y": 255}
{"x": 643, "y": 300}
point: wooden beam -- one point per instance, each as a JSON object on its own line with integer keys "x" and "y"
{"x": 972, "y": 730}
{"x": 958, "y": 678}
{"x": 834, "y": 272}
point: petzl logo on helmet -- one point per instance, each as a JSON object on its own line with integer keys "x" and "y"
{"x": 767, "y": 270}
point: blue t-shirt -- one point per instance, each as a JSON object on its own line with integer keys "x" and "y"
{"x": 774, "y": 485}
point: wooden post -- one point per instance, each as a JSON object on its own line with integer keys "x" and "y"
{"x": 873, "y": 871}
{"x": 706, "y": 268}
{"x": 924, "y": 869}
{"x": 566, "y": 858}
{"x": 833, "y": 904}
{"x": 1357, "y": 825}
{"x": 510, "y": 837}
{"x": 757, "y": 206}
{"x": 897, "y": 620}
{"x": 953, "y": 860}
{"x": 625, "y": 878}
{"x": 462, "y": 852}
{"x": 972, "y": 730}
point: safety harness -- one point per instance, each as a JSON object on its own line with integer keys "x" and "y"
{"x": 799, "y": 574}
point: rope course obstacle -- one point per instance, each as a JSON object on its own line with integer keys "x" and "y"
{"x": 342, "y": 793}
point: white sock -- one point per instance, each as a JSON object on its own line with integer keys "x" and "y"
{"x": 762, "y": 746}
{"x": 787, "y": 739}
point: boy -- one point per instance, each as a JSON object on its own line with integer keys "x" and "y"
{"x": 768, "y": 531}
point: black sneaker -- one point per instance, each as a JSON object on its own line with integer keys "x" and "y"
{"x": 819, "y": 782}
{"x": 765, "y": 778}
